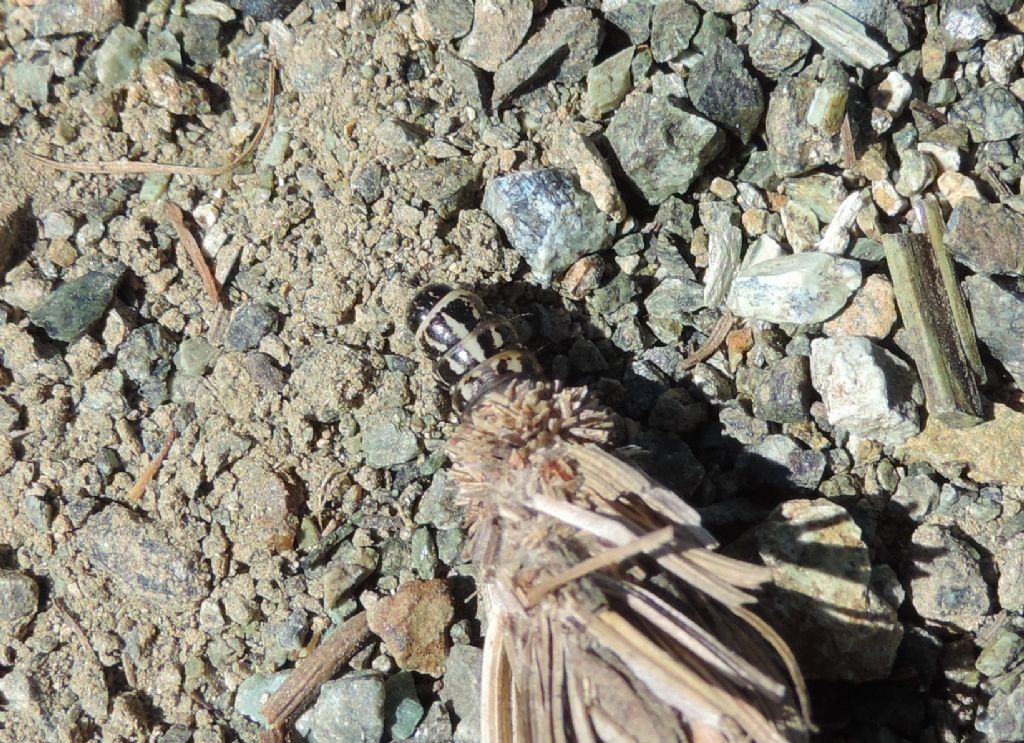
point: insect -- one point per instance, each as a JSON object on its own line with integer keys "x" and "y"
{"x": 610, "y": 617}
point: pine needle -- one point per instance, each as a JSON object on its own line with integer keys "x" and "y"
{"x": 194, "y": 252}
{"x": 135, "y": 494}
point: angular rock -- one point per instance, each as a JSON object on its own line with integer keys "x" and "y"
{"x": 608, "y": 83}
{"x": 784, "y": 395}
{"x": 916, "y": 497}
{"x": 991, "y": 114}
{"x": 70, "y": 17}
{"x": 842, "y": 35}
{"x": 667, "y": 305}
{"x": 254, "y": 691}
{"x": 802, "y": 288}
{"x": 866, "y": 390}
{"x": 571, "y": 150}
{"x": 632, "y": 16}
{"x": 1003, "y": 718}
{"x": 725, "y": 242}
{"x": 547, "y": 218}
{"x": 779, "y": 461}
{"x": 249, "y": 323}
{"x": 776, "y": 46}
{"x": 963, "y": 23}
{"x": 413, "y": 624}
{"x": 673, "y": 24}
{"x": 1000, "y": 653}
{"x": 1009, "y": 558}
{"x": 722, "y": 89}
{"x": 660, "y": 147}
{"x": 988, "y": 238}
{"x": 19, "y": 601}
{"x": 499, "y": 27}
{"x": 444, "y": 20}
{"x": 402, "y": 708}
{"x": 797, "y": 146}
{"x": 831, "y": 605}
{"x": 946, "y": 583}
{"x": 69, "y": 312}
{"x": 145, "y": 358}
{"x": 119, "y": 55}
{"x": 462, "y": 691}
{"x": 998, "y": 314}
{"x": 871, "y": 312}
{"x": 386, "y": 444}
{"x": 348, "y": 710}
{"x": 563, "y": 48}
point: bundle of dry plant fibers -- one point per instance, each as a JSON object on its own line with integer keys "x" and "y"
{"x": 610, "y": 616}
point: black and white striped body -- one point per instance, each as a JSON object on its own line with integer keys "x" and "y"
{"x": 473, "y": 353}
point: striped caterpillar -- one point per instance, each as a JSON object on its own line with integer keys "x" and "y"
{"x": 610, "y": 617}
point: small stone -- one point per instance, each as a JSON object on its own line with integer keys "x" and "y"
{"x": 448, "y": 186}
{"x": 802, "y": 288}
{"x": 194, "y": 356}
{"x": 544, "y": 53}
{"x": 915, "y": 498}
{"x": 68, "y": 313}
{"x": 32, "y": 81}
{"x": 413, "y": 625}
{"x": 835, "y": 610}
{"x": 73, "y": 17}
{"x": 499, "y": 27}
{"x": 254, "y": 691}
{"x": 385, "y": 444}
{"x": 402, "y": 708}
{"x": 998, "y": 314}
{"x": 866, "y": 390}
{"x": 349, "y": 710}
{"x": 991, "y": 114}
{"x": 887, "y": 198}
{"x": 725, "y": 242}
{"x": 957, "y": 188}
{"x": 741, "y": 426}
{"x": 946, "y": 583}
{"x": 842, "y": 35}
{"x": 871, "y": 312}
{"x": 145, "y": 358}
{"x": 346, "y": 571}
{"x": 779, "y": 461}
{"x": 962, "y": 23}
{"x": 547, "y": 218}
{"x": 1003, "y": 717}
{"x": 917, "y": 171}
{"x": 249, "y": 323}
{"x": 801, "y": 226}
{"x": 167, "y": 90}
{"x": 796, "y": 145}
{"x": 988, "y": 238}
{"x": 58, "y": 225}
{"x": 443, "y": 20}
{"x": 262, "y": 514}
{"x": 1009, "y": 559}
{"x": 572, "y": 151}
{"x": 119, "y": 56}
{"x": 608, "y": 83}
{"x": 776, "y": 47}
{"x": 19, "y": 601}
{"x": 669, "y": 303}
{"x": 660, "y": 147}
{"x": 1002, "y": 58}
{"x": 722, "y": 88}
{"x": 893, "y": 93}
{"x": 462, "y": 691}
{"x": 673, "y": 24}
{"x": 1000, "y": 653}
{"x": 784, "y": 395}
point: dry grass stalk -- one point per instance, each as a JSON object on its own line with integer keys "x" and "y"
{"x": 716, "y": 338}
{"x": 131, "y": 167}
{"x": 195, "y": 254}
{"x": 150, "y": 470}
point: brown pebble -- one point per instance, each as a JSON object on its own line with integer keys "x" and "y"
{"x": 413, "y": 625}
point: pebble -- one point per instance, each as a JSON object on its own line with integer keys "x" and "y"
{"x": 779, "y": 461}
{"x": 119, "y": 56}
{"x": 67, "y": 313}
{"x": 632, "y": 16}
{"x": 988, "y": 238}
{"x": 802, "y": 288}
{"x": 796, "y": 145}
{"x": 349, "y": 710}
{"x": 917, "y": 171}
{"x": 991, "y": 114}
{"x": 1009, "y": 559}
{"x": 19, "y": 601}
{"x": 962, "y": 23}
{"x": 249, "y": 323}
{"x": 573, "y": 151}
{"x": 801, "y": 226}
{"x": 346, "y": 571}
{"x": 945, "y": 583}
{"x": 998, "y": 314}
{"x": 266, "y": 10}
{"x": 462, "y": 691}
{"x": 784, "y": 394}
{"x": 916, "y": 497}
{"x": 776, "y": 46}
{"x": 413, "y": 623}
{"x": 262, "y": 510}
{"x": 725, "y": 243}
{"x": 1003, "y": 717}
{"x": 194, "y": 356}
{"x": 673, "y": 24}
{"x": 1000, "y": 653}
{"x": 254, "y": 691}
{"x": 72, "y": 17}
{"x": 835, "y": 609}
{"x": 669, "y": 303}
{"x": 32, "y": 81}
{"x": 549, "y": 220}
{"x": 402, "y": 708}
{"x": 866, "y": 390}
{"x": 956, "y": 188}
{"x": 145, "y": 358}
{"x": 443, "y": 20}
{"x": 608, "y": 83}
{"x": 721, "y": 88}
{"x": 499, "y": 27}
{"x": 871, "y": 312}
{"x": 385, "y": 444}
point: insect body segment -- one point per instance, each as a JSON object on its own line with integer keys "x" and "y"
{"x": 473, "y": 353}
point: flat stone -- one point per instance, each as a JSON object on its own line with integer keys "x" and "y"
{"x": 842, "y": 35}
{"x": 722, "y": 88}
{"x": 833, "y": 608}
{"x": 413, "y": 625}
{"x": 998, "y": 314}
{"x": 68, "y": 312}
{"x": 71, "y": 17}
{"x": 547, "y": 218}
{"x": 19, "y": 601}
{"x": 402, "y": 708}
{"x": 991, "y": 114}
{"x": 988, "y": 238}
{"x": 660, "y": 147}
{"x": 385, "y": 444}
{"x": 866, "y": 390}
{"x": 444, "y": 20}
{"x": 802, "y": 288}
{"x": 499, "y": 27}
{"x": 349, "y": 710}
{"x": 946, "y": 584}
{"x": 871, "y": 312}
{"x": 797, "y": 146}
{"x": 608, "y": 83}
{"x": 461, "y": 691}
{"x": 254, "y": 691}
{"x": 991, "y": 452}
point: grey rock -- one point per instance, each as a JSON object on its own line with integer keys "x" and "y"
{"x": 776, "y": 46}
{"x": 673, "y": 24}
{"x": 436, "y": 726}
{"x": 248, "y": 325}
{"x": 423, "y": 551}
{"x": 802, "y": 288}
{"x": 608, "y": 83}
{"x": 447, "y": 186}
{"x": 668, "y": 304}
{"x": 784, "y": 395}
{"x": 1004, "y": 650}
{"x": 68, "y": 313}
{"x": 797, "y": 146}
{"x": 346, "y": 571}
{"x": 119, "y": 56}
{"x": 264, "y": 372}
{"x": 71, "y": 17}
{"x": 547, "y": 218}
{"x": 660, "y": 147}
{"x": 32, "y": 81}
{"x": 779, "y": 461}
{"x": 57, "y": 224}
{"x": 437, "y": 504}
{"x": 738, "y": 424}
{"x": 142, "y": 560}
{"x": 445, "y": 20}
{"x": 998, "y": 314}
{"x": 499, "y": 27}
{"x": 19, "y": 601}
{"x": 840, "y": 34}
{"x": 915, "y": 498}
{"x": 837, "y": 612}
{"x": 348, "y": 710}
{"x": 988, "y": 238}
{"x": 145, "y": 358}
{"x": 882, "y": 17}
{"x": 946, "y": 584}
{"x": 465, "y": 78}
{"x": 402, "y": 708}
{"x": 962, "y": 23}
{"x": 632, "y": 16}
{"x": 200, "y": 41}
{"x": 254, "y": 691}
{"x": 917, "y": 171}
{"x": 385, "y": 444}
{"x": 462, "y": 690}
{"x": 866, "y": 390}
{"x": 293, "y": 632}
{"x": 991, "y": 114}
{"x": 194, "y": 356}
{"x": 1003, "y": 718}
{"x": 725, "y": 243}
{"x": 1010, "y": 560}
{"x": 563, "y": 48}
{"x": 722, "y": 89}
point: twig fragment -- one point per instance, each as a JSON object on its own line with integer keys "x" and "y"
{"x": 174, "y": 213}
{"x": 715, "y": 339}
{"x": 131, "y": 167}
{"x": 77, "y": 629}
{"x": 135, "y": 494}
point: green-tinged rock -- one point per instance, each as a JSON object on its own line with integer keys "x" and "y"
{"x": 998, "y": 312}
{"x": 194, "y": 356}
{"x": 722, "y": 88}
{"x": 1003, "y": 650}
{"x": 32, "y": 81}
{"x": 254, "y": 691}
{"x": 776, "y": 46}
{"x": 349, "y": 710}
{"x": 632, "y": 16}
{"x": 608, "y": 83}
{"x": 119, "y": 55}
{"x": 991, "y": 114}
{"x": 402, "y": 708}
{"x": 797, "y": 146}
{"x": 68, "y": 313}
{"x": 673, "y": 24}
{"x": 668, "y": 305}
{"x": 385, "y": 444}
{"x": 988, "y": 238}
